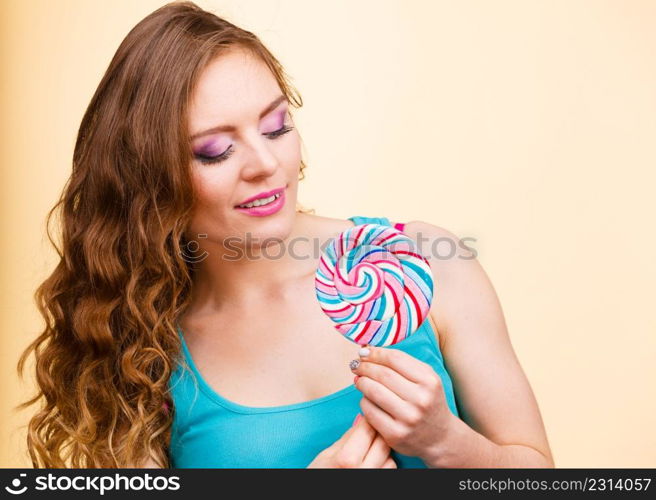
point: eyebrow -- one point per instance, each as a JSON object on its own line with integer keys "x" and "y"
{"x": 225, "y": 128}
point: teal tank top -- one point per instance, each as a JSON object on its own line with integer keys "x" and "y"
{"x": 210, "y": 431}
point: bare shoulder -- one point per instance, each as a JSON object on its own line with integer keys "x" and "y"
{"x": 323, "y": 227}
{"x": 454, "y": 267}
{"x": 438, "y": 244}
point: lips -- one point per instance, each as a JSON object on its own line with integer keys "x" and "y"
{"x": 265, "y": 210}
{"x": 265, "y": 194}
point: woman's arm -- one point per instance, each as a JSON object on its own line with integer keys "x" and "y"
{"x": 502, "y": 423}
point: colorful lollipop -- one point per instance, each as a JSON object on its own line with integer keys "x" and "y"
{"x": 373, "y": 282}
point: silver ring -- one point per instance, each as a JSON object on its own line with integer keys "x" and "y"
{"x": 354, "y": 364}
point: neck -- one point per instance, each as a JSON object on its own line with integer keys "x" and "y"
{"x": 239, "y": 277}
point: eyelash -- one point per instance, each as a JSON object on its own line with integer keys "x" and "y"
{"x": 209, "y": 160}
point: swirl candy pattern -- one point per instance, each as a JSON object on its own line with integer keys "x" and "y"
{"x": 373, "y": 282}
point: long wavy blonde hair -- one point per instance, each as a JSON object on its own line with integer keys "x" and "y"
{"x": 104, "y": 359}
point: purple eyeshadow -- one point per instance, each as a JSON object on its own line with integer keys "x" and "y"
{"x": 214, "y": 147}
{"x": 211, "y": 148}
{"x": 277, "y": 121}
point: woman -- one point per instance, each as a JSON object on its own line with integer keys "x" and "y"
{"x": 172, "y": 336}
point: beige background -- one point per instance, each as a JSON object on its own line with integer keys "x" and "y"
{"x": 528, "y": 125}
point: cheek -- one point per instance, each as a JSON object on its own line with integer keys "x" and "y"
{"x": 211, "y": 190}
{"x": 293, "y": 151}
{"x": 212, "y": 193}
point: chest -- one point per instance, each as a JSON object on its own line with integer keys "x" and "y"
{"x": 278, "y": 353}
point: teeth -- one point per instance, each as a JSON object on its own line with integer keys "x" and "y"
{"x": 260, "y": 202}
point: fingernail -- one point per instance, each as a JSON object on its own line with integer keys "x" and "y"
{"x": 354, "y": 364}
{"x": 355, "y": 379}
{"x": 357, "y": 418}
{"x": 364, "y": 351}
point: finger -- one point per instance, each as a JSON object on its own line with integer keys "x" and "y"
{"x": 385, "y": 399}
{"x": 402, "y": 362}
{"x": 390, "y": 464}
{"x": 380, "y": 420}
{"x": 349, "y": 431}
{"x": 358, "y": 442}
{"x": 377, "y": 453}
{"x": 393, "y": 380}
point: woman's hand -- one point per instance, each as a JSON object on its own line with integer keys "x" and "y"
{"x": 359, "y": 447}
{"x": 403, "y": 399}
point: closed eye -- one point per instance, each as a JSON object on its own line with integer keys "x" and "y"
{"x": 209, "y": 160}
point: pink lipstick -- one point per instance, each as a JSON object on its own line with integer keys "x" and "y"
{"x": 270, "y": 208}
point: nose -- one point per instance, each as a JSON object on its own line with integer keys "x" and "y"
{"x": 260, "y": 161}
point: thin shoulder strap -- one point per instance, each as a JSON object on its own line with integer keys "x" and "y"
{"x": 360, "y": 219}
{"x": 383, "y": 221}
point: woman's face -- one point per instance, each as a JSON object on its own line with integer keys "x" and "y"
{"x": 244, "y": 144}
